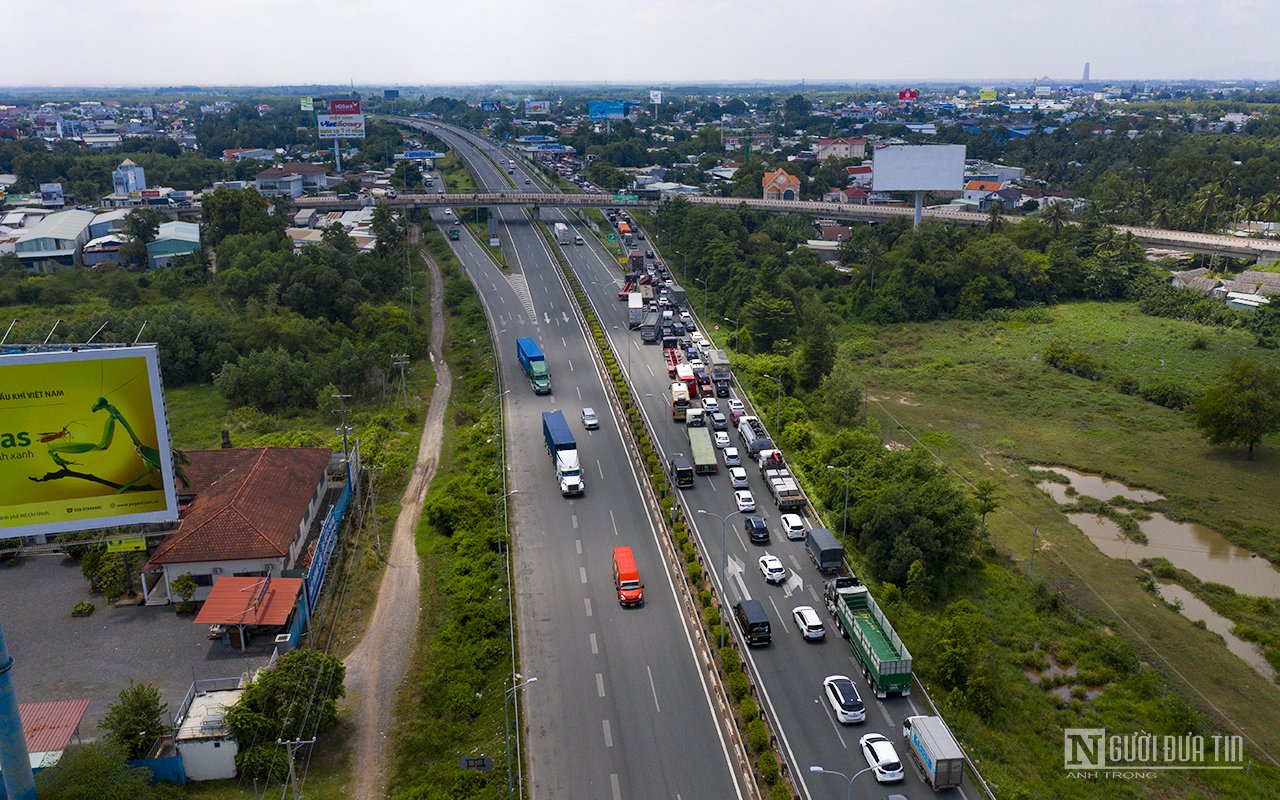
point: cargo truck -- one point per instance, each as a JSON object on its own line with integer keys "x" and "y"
{"x": 704, "y": 453}
{"x": 635, "y": 310}
{"x": 564, "y": 453}
{"x": 637, "y": 259}
{"x": 784, "y": 487}
{"x": 649, "y": 328}
{"x": 562, "y": 233}
{"x": 679, "y": 401}
{"x": 886, "y": 664}
{"x": 935, "y": 751}
{"x": 825, "y": 549}
{"x": 677, "y": 295}
{"x": 721, "y": 375}
{"x": 754, "y": 437}
{"x": 534, "y": 365}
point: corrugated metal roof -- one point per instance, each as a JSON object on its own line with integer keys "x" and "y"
{"x": 64, "y": 225}
{"x": 50, "y": 726}
{"x": 231, "y": 602}
{"x": 182, "y": 231}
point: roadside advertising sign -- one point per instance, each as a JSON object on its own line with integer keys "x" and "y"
{"x": 341, "y": 126}
{"x": 344, "y": 106}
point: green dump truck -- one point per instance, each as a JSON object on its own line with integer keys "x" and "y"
{"x": 886, "y": 664}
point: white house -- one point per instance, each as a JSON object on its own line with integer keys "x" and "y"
{"x": 55, "y": 241}
{"x": 202, "y": 736}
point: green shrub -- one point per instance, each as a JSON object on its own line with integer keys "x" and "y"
{"x": 1060, "y": 356}
{"x": 713, "y": 616}
{"x": 749, "y": 710}
{"x": 780, "y": 791}
{"x": 730, "y": 660}
{"x": 1169, "y": 394}
{"x": 737, "y": 685}
{"x": 695, "y": 575}
{"x": 757, "y": 736}
{"x": 704, "y": 597}
{"x": 768, "y": 765}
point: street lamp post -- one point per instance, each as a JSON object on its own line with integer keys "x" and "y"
{"x": 508, "y": 697}
{"x": 724, "y": 572}
{"x": 777, "y": 419}
{"x": 817, "y": 769}
{"x": 844, "y": 524}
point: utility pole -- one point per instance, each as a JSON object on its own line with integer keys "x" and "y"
{"x": 401, "y": 360}
{"x": 344, "y": 429}
{"x": 374, "y": 469}
{"x": 292, "y": 747}
{"x": 1031, "y": 562}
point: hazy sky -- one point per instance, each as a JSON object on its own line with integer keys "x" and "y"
{"x": 381, "y": 42}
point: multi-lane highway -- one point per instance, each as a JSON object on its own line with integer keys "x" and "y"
{"x": 789, "y": 672}
{"x": 621, "y": 708}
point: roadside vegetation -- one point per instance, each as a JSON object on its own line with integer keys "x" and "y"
{"x": 943, "y": 342}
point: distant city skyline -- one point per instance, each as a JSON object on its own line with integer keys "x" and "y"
{"x": 385, "y": 42}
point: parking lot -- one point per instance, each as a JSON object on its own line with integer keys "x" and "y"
{"x": 60, "y": 657}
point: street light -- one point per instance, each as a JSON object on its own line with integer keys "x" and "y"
{"x": 705, "y": 299}
{"x": 817, "y": 769}
{"x": 734, "y": 323}
{"x": 724, "y": 573}
{"x": 844, "y": 524}
{"x": 777, "y": 419}
{"x": 507, "y": 697}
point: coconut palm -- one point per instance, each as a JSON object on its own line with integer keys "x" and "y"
{"x": 995, "y": 216}
{"x": 1057, "y": 216}
{"x": 1268, "y": 207}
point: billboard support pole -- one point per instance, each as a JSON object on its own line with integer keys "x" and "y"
{"x": 919, "y": 208}
{"x": 337, "y": 157}
{"x": 15, "y": 762}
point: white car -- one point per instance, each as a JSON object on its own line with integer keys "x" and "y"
{"x": 738, "y": 477}
{"x": 589, "y": 419}
{"x": 697, "y": 338}
{"x": 710, "y": 404}
{"x": 881, "y": 757}
{"x": 744, "y": 501}
{"x": 843, "y": 697}
{"x": 809, "y": 623}
{"x": 793, "y": 526}
{"x": 772, "y": 569}
{"x": 736, "y": 406}
{"x": 731, "y": 457}
{"x": 721, "y": 439}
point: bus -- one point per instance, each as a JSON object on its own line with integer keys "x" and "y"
{"x": 684, "y": 374}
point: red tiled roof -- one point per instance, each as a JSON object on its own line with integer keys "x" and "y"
{"x": 854, "y": 191}
{"x": 841, "y": 140}
{"x": 782, "y": 177}
{"x": 251, "y": 505}
{"x": 984, "y": 186}
{"x": 230, "y": 602}
{"x": 50, "y": 726}
{"x": 303, "y": 168}
{"x": 861, "y": 169}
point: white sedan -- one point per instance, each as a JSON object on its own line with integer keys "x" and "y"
{"x": 772, "y": 569}
{"x": 721, "y": 438}
{"x": 710, "y": 404}
{"x": 881, "y": 757}
{"x": 738, "y": 478}
{"x": 745, "y": 502}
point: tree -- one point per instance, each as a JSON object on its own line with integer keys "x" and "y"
{"x": 995, "y": 216}
{"x": 406, "y": 175}
{"x": 184, "y": 586}
{"x": 136, "y": 720}
{"x": 1242, "y": 407}
{"x": 817, "y": 350}
{"x": 95, "y": 771}
{"x": 296, "y": 699}
{"x": 142, "y": 223}
{"x": 985, "y": 501}
{"x": 1057, "y": 216}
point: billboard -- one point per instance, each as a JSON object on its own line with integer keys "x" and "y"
{"x": 83, "y": 442}
{"x": 308, "y": 104}
{"x": 987, "y": 94}
{"x": 537, "y": 106}
{"x": 606, "y": 109}
{"x": 491, "y": 106}
{"x": 344, "y": 107}
{"x": 918, "y": 168}
{"x": 341, "y": 126}
{"x": 51, "y": 195}
{"x": 655, "y": 96}
{"x": 390, "y": 94}
{"x": 908, "y": 95}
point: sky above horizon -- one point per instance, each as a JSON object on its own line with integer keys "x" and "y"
{"x": 386, "y": 42}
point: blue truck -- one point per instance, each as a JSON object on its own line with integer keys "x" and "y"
{"x": 534, "y": 364}
{"x": 564, "y": 453}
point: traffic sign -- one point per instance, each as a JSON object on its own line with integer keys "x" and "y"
{"x": 613, "y": 238}
{"x": 625, "y": 197}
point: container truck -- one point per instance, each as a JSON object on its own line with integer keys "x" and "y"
{"x": 886, "y": 664}
{"x": 562, "y": 233}
{"x": 704, "y": 453}
{"x": 754, "y": 437}
{"x": 635, "y": 310}
{"x": 534, "y": 365}
{"x": 649, "y": 328}
{"x": 637, "y": 259}
{"x": 677, "y": 295}
{"x": 564, "y": 453}
{"x": 679, "y": 401}
{"x": 825, "y": 549}
{"x": 935, "y": 751}
{"x": 721, "y": 375}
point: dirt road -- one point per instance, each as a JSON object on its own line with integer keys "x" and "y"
{"x": 378, "y": 664}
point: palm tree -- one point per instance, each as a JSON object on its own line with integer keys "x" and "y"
{"x": 1057, "y": 216}
{"x": 1268, "y": 207}
{"x": 1207, "y": 203}
{"x": 995, "y": 216}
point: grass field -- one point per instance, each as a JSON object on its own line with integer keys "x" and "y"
{"x": 977, "y": 395}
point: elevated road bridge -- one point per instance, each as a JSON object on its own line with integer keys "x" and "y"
{"x": 1264, "y": 251}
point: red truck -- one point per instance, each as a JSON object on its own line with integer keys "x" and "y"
{"x": 672, "y": 356}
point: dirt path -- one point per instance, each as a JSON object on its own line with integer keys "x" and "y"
{"x": 377, "y": 666}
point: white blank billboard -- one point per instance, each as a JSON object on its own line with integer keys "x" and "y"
{"x": 918, "y": 168}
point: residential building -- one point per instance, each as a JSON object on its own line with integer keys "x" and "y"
{"x": 55, "y": 242}
{"x": 859, "y": 175}
{"x": 101, "y": 141}
{"x": 103, "y": 248}
{"x": 984, "y": 193}
{"x": 172, "y": 239}
{"x": 251, "y": 510}
{"x": 780, "y": 185}
{"x": 128, "y": 178}
{"x": 850, "y": 195}
{"x": 841, "y": 148}
{"x": 106, "y": 222}
{"x": 293, "y": 179}
{"x": 249, "y": 153}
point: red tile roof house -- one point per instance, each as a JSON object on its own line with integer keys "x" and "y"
{"x": 253, "y": 510}
{"x": 781, "y": 185}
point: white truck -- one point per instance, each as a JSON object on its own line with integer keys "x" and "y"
{"x": 935, "y": 751}
{"x": 563, "y": 235}
{"x": 635, "y": 310}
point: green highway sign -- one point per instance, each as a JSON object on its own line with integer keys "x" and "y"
{"x": 624, "y": 197}
{"x": 613, "y": 237}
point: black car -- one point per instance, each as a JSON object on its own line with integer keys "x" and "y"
{"x": 757, "y": 530}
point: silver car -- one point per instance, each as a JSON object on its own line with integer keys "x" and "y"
{"x": 589, "y": 419}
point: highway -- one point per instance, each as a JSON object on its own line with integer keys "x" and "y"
{"x": 790, "y": 671}
{"x": 620, "y": 708}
